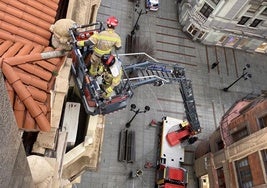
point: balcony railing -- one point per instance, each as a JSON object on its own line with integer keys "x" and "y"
{"x": 198, "y": 16}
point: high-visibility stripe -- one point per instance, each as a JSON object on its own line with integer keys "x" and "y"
{"x": 109, "y": 90}
{"x": 116, "y": 80}
{"x": 108, "y": 38}
{"x": 80, "y": 43}
{"x": 102, "y": 52}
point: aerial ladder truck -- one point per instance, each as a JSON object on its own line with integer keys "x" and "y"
{"x": 134, "y": 75}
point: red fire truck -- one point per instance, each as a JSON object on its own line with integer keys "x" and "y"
{"x": 183, "y": 133}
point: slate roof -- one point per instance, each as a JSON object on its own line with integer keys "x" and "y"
{"x": 24, "y": 36}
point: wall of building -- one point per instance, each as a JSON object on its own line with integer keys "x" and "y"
{"x": 223, "y": 27}
{"x": 204, "y": 167}
{"x": 214, "y": 139}
{"x": 201, "y": 165}
{"x": 256, "y": 168}
{"x": 249, "y": 147}
{"x": 253, "y": 115}
{"x": 249, "y": 117}
{"x": 83, "y": 11}
{"x": 231, "y": 183}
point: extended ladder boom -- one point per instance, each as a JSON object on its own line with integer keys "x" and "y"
{"x": 158, "y": 74}
{"x": 135, "y": 75}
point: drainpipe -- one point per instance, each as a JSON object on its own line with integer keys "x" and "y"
{"x": 54, "y": 54}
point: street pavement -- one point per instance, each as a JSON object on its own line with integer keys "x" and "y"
{"x": 161, "y": 31}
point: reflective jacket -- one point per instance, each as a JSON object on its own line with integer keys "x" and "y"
{"x": 105, "y": 41}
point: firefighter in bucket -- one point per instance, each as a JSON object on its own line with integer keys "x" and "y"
{"x": 102, "y": 43}
{"x": 111, "y": 73}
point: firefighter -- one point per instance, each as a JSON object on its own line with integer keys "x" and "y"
{"x": 111, "y": 74}
{"x": 102, "y": 43}
{"x": 183, "y": 124}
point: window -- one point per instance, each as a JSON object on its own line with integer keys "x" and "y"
{"x": 204, "y": 181}
{"x": 263, "y": 122}
{"x": 220, "y": 144}
{"x": 215, "y": 1}
{"x": 93, "y": 12}
{"x": 262, "y": 47}
{"x": 255, "y": 23}
{"x": 206, "y": 10}
{"x": 242, "y": 43}
{"x": 243, "y": 173}
{"x": 264, "y": 12}
{"x": 221, "y": 179}
{"x": 264, "y": 159}
{"x": 238, "y": 135}
{"x": 231, "y": 41}
{"x": 243, "y": 20}
{"x": 222, "y": 39}
{"x": 201, "y": 34}
{"x": 192, "y": 30}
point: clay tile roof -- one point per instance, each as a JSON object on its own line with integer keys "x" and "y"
{"x": 24, "y": 36}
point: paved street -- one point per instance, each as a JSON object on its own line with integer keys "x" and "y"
{"x": 162, "y": 32}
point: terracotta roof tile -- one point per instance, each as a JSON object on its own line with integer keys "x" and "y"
{"x": 24, "y": 24}
{"x": 8, "y": 36}
{"x": 34, "y": 8}
{"x": 37, "y": 49}
{"x": 29, "y": 122}
{"x": 19, "y": 112}
{"x": 32, "y": 80}
{"x": 27, "y": 20}
{"x": 24, "y": 33}
{"x": 26, "y": 77}
{"x": 36, "y": 70}
{"x": 46, "y": 7}
{"x": 24, "y": 37}
{"x": 26, "y": 49}
{"x": 53, "y": 4}
{"x": 5, "y": 46}
{"x": 37, "y": 94}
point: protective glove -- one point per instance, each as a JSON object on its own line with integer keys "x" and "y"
{"x": 80, "y": 43}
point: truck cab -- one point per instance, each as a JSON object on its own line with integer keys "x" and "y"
{"x": 171, "y": 177}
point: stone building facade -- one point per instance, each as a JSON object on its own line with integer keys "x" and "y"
{"x": 83, "y": 11}
{"x": 238, "y": 24}
{"x": 236, "y": 153}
